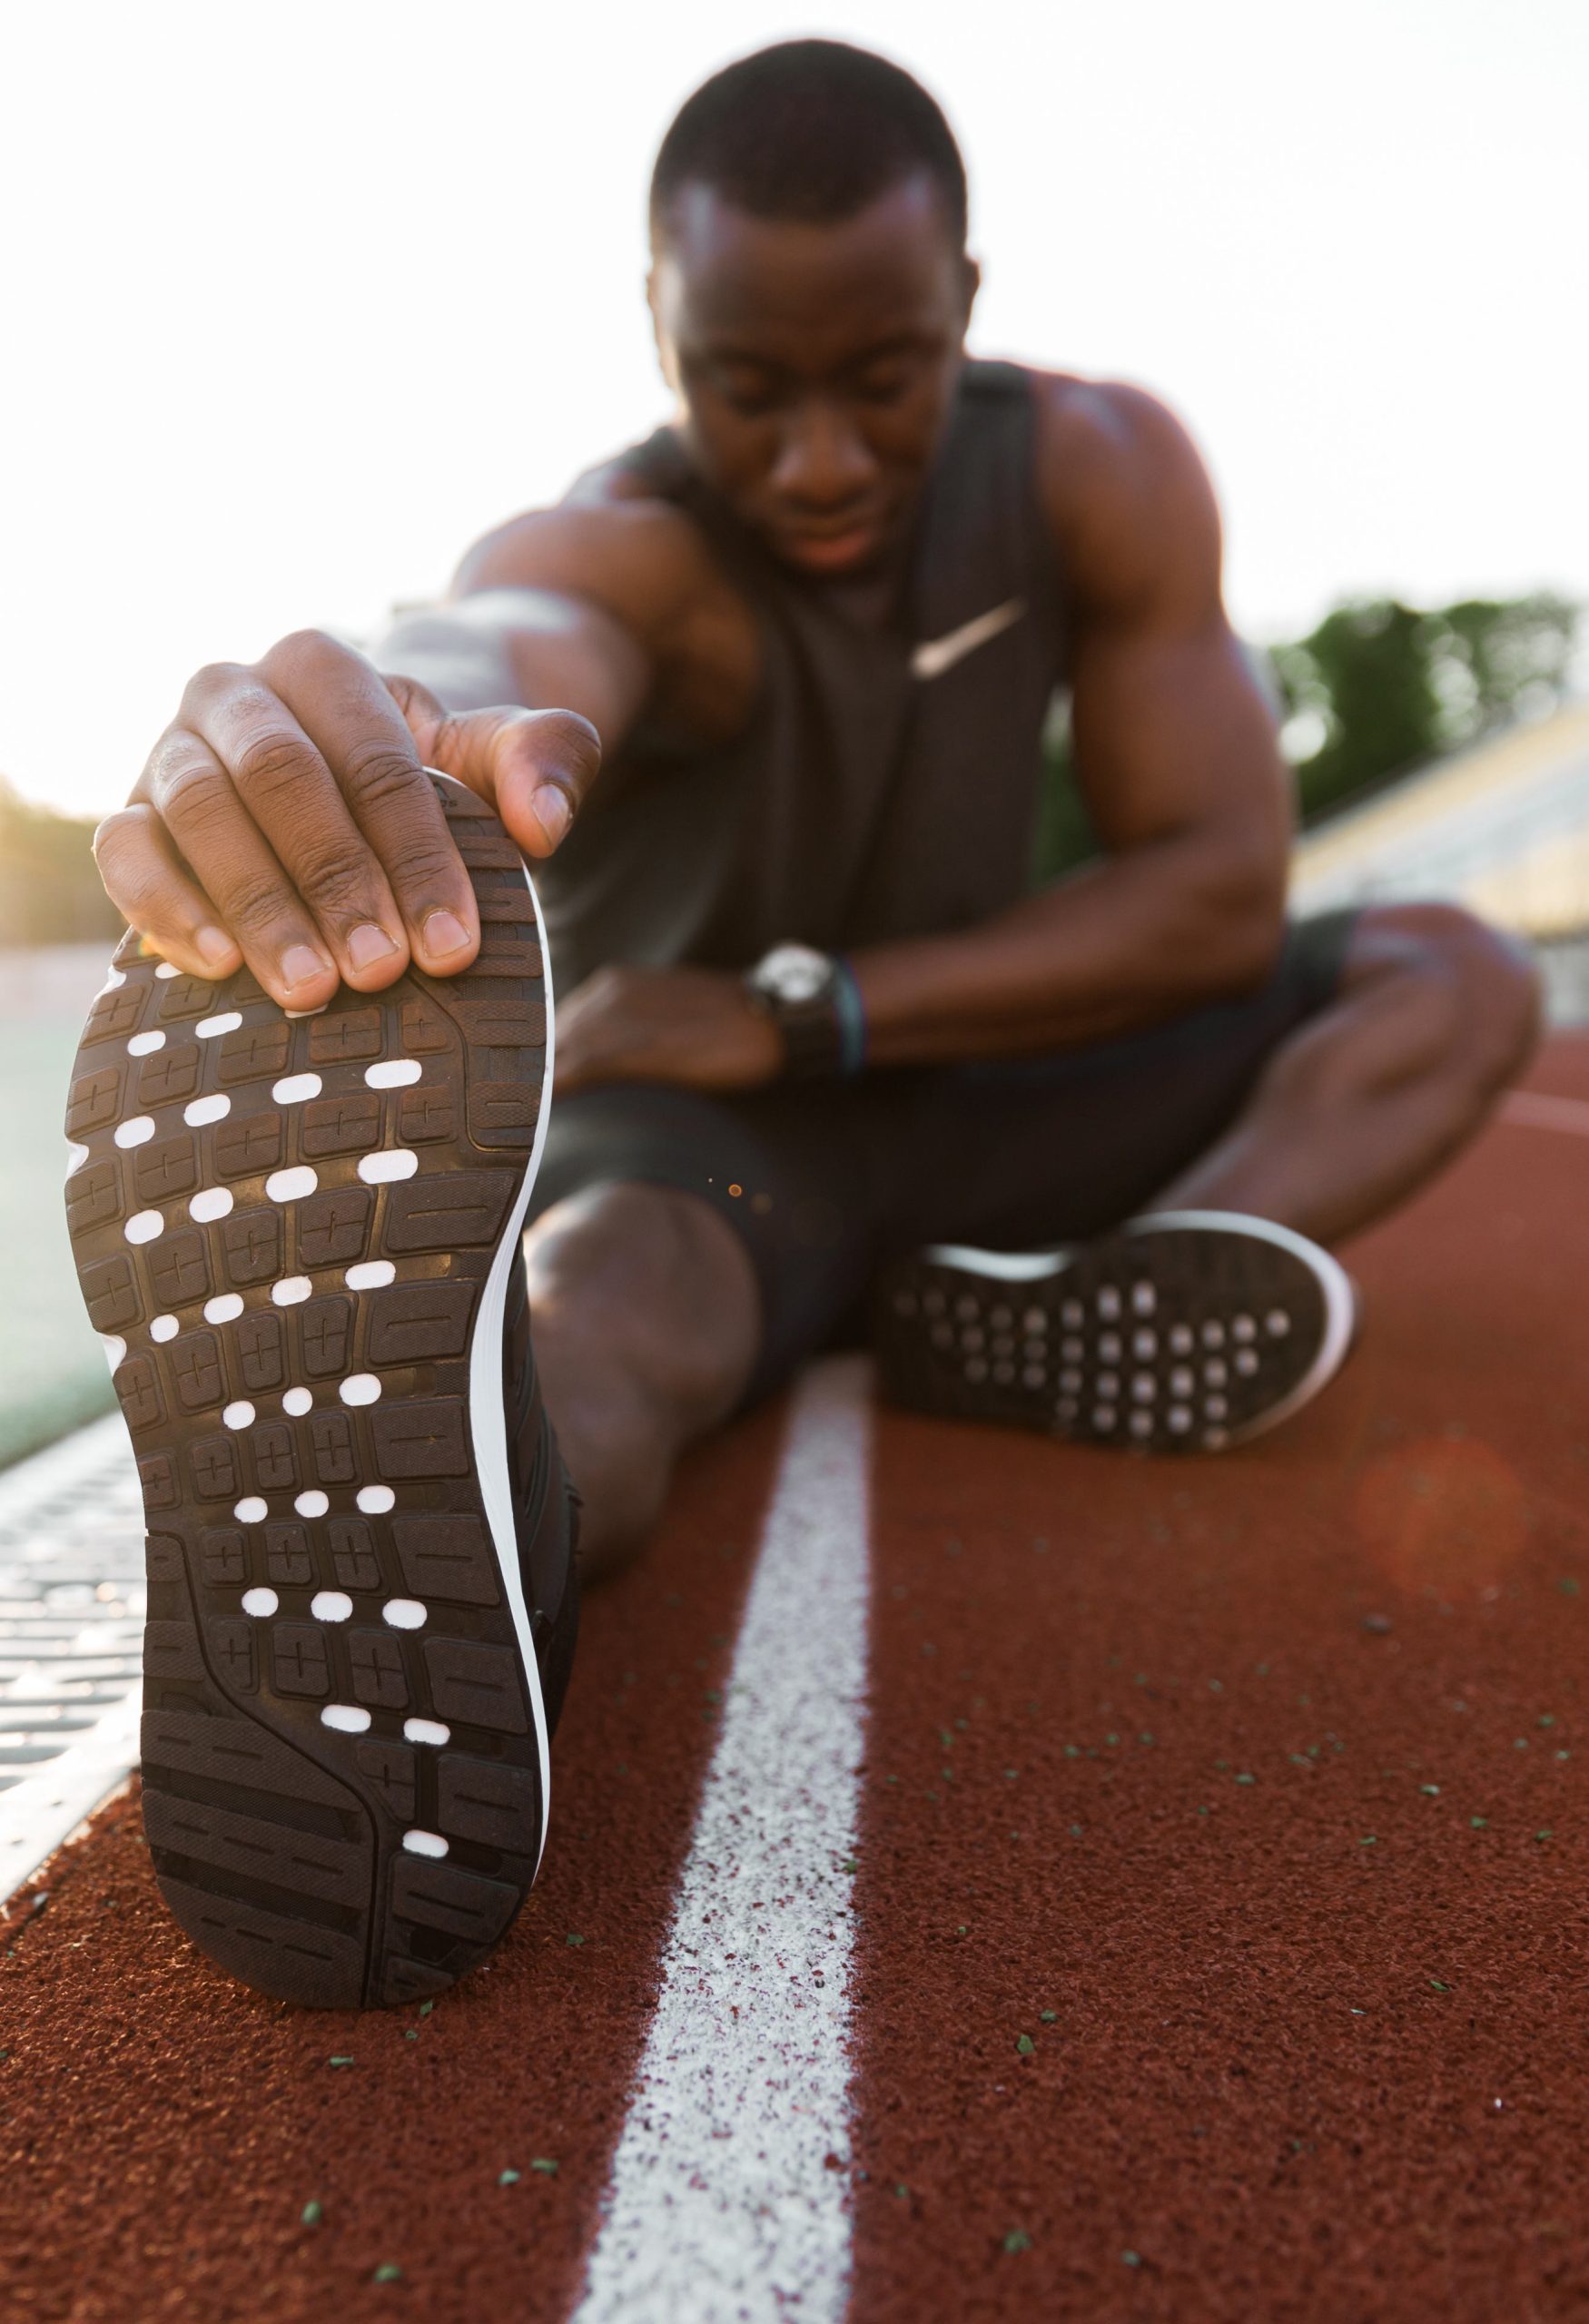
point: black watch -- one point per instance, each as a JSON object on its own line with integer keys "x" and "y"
{"x": 799, "y": 988}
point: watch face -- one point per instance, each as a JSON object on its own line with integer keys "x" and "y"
{"x": 795, "y": 973}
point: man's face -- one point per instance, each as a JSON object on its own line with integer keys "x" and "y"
{"x": 815, "y": 362}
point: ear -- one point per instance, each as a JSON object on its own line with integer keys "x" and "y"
{"x": 661, "y": 337}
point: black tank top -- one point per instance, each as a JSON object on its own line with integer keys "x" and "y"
{"x": 887, "y": 782}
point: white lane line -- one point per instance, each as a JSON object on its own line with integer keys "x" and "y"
{"x": 1535, "y": 1110}
{"x": 40, "y": 1814}
{"x": 722, "y": 2207}
{"x": 72, "y": 1593}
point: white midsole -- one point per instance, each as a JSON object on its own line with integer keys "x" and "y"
{"x": 488, "y": 1410}
{"x": 1340, "y": 1301}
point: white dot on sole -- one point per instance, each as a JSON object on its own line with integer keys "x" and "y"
{"x": 395, "y": 1074}
{"x": 370, "y": 1274}
{"x": 224, "y": 1308}
{"x": 115, "y": 1350}
{"x": 251, "y": 1511}
{"x": 403, "y": 1614}
{"x": 375, "y": 1500}
{"x": 425, "y": 1843}
{"x": 143, "y": 1226}
{"x": 146, "y": 1044}
{"x": 312, "y": 1503}
{"x": 137, "y": 1132}
{"x": 206, "y": 1110}
{"x": 292, "y": 1186}
{"x": 76, "y": 1155}
{"x": 168, "y": 968}
{"x": 260, "y": 1603}
{"x": 212, "y": 1202}
{"x": 291, "y": 1290}
{"x": 330, "y": 1606}
{"x": 425, "y": 1730}
{"x": 297, "y": 1401}
{"x": 164, "y": 1328}
{"x": 238, "y": 1415}
{"x": 381, "y": 1169}
{"x": 113, "y": 978}
{"x": 363, "y": 1388}
{"x": 346, "y": 1717}
{"x": 296, "y": 1088}
{"x": 209, "y": 1028}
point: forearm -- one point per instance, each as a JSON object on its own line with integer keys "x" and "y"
{"x": 464, "y": 665}
{"x": 536, "y": 648}
{"x": 1126, "y": 942}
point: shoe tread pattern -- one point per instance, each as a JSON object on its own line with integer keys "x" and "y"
{"x": 277, "y": 1840}
{"x": 1174, "y": 1341}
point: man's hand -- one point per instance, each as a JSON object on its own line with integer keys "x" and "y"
{"x": 697, "y": 1028}
{"x": 283, "y": 819}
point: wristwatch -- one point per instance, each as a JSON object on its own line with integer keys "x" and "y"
{"x": 812, "y": 998}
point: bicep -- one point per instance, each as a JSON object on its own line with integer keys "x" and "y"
{"x": 1173, "y": 733}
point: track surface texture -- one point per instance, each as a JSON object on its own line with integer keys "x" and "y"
{"x": 1217, "y": 1892}
{"x": 294, "y": 1236}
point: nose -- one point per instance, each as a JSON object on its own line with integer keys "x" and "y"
{"x": 823, "y": 461}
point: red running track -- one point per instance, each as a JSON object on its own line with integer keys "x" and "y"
{"x": 1221, "y": 1868}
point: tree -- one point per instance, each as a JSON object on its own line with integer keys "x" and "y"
{"x": 49, "y": 888}
{"x": 1379, "y": 687}
{"x": 1374, "y": 690}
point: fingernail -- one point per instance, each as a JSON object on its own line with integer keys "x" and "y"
{"x": 368, "y": 943}
{"x": 552, "y": 810}
{"x": 214, "y": 946}
{"x": 444, "y": 933}
{"x": 300, "y": 964}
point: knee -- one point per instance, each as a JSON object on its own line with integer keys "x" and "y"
{"x": 647, "y": 1289}
{"x": 1480, "y": 984}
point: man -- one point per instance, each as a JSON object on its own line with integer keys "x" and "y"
{"x": 810, "y": 634}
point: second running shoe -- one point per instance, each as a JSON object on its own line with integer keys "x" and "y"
{"x": 300, "y": 1241}
{"x": 1185, "y": 1331}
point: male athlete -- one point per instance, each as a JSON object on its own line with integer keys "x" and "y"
{"x": 763, "y": 699}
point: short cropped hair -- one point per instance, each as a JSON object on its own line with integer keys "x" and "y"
{"x": 812, "y": 130}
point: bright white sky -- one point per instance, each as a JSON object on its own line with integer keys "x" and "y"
{"x": 298, "y": 297}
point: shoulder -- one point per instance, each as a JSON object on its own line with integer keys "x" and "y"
{"x": 1124, "y": 489}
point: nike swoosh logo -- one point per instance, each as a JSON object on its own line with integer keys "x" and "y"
{"x": 937, "y": 655}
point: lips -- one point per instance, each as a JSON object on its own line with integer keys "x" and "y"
{"x": 829, "y": 552}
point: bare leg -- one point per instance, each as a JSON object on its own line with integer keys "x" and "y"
{"x": 1436, "y": 1014}
{"x": 647, "y": 1319}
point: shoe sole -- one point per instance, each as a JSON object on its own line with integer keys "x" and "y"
{"x": 1187, "y": 1330}
{"x": 296, "y": 1237}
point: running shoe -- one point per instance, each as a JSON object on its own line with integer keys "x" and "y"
{"x": 300, "y": 1240}
{"x": 1185, "y": 1332}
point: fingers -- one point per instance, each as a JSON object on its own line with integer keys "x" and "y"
{"x": 148, "y": 883}
{"x": 374, "y": 839}
{"x": 285, "y": 814}
{"x": 208, "y": 828}
{"x": 534, "y": 766}
{"x": 253, "y": 747}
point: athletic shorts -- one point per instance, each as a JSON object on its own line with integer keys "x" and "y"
{"x": 824, "y": 1182}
